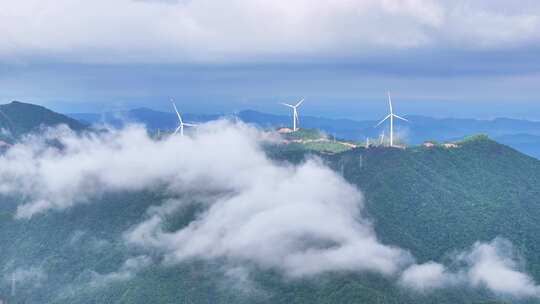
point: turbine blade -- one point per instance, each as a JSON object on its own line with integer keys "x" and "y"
{"x": 299, "y": 103}
{"x": 383, "y": 120}
{"x": 399, "y": 117}
{"x": 288, "y": 105}
{"x": 390, "y": 103}
{"x": 177, "y": 113}
{"x": 190, "y": 125}
{"x": 177, "y": 129}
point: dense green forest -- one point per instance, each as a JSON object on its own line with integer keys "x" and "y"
{"x": 431, "y": 201}
{"x": 428, "y": 200}
{"x": 18, "y": 118}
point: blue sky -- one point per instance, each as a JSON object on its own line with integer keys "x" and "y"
{"x": 459, "y": 58}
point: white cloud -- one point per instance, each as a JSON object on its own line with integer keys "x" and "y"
{"x": 239, "y": 278}
{"x": 26, "y": 276}
{"x": 302, "y": 219}
{"x": 129, "y": 269}
{"x": 494, "y": 266}
{"x": 426, "y": 277}
{"x": 87, "y": 166}
{"x": 253, "y": 30}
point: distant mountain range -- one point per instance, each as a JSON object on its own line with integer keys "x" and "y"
{"x": 522, "y": 135}
{"x": 18, "y": 118}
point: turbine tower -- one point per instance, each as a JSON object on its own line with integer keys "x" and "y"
{"x": 391, "y": 116}
{"x": 296, "y": 120}
{"x": 182, "y": 123}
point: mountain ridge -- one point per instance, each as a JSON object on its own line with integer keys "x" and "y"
{"x": 18, "y": 118}
{"x": 421, "y": 128}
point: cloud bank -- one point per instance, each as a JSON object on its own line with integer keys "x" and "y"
{"x": 494, "y": 266}
{"x": 302, "y": 220}
{"x": 25, "y": 278}
{"x": 127, "y": 271}
{"x": 256, "y": 30}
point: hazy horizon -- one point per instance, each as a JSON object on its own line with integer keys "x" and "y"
{"x": 350, "y": 96}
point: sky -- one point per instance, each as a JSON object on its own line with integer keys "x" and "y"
{"x": 475, "y": 58}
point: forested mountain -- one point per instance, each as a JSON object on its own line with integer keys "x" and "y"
{"x": 17, "y": 118}
{"x": 430, "y": 201}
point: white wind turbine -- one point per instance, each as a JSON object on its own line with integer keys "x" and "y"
{"x": 182, "y": 123}
{"x": 391, "y": 116}
{"x": 296, "y": 120}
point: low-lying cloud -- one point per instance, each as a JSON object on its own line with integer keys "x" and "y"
{"x": 494, "y": 266}
{"x": 25, "y": 277}
{"x": 127, "y": 271}
{"x": 303, "y": 219}
{"x": 78, "y": 168}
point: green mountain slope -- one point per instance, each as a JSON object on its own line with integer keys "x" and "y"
{"x": 434, "y": 200}
{"x": 428, "y": 200}
{"x": 17, "y": 119}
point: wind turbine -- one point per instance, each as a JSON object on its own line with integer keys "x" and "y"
{"x": 296, "y": 121}
{"x": 182, "y": 123}
{"x": 391, "y": 116}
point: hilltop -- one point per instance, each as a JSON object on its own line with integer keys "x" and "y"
{"x": 429, "y": 200}
{"x": 18, "y": 118}
{"x": 315, "y": 140}
{"x": 520, "y": 134}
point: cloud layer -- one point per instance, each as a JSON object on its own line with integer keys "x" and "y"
{"x": 494, "y": 266}
{"x": 302, "y": 220}
{"x": 254, "y": 31}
